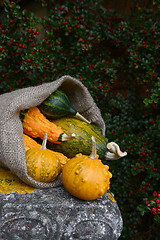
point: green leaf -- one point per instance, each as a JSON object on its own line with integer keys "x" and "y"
{"x": 157, "y": 218}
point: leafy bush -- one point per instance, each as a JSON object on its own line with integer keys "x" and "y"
{"x": 101, "y": 48}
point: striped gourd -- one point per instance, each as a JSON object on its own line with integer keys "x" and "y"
{"x": 82, "y": 141}
{"x": 58, "y": 105}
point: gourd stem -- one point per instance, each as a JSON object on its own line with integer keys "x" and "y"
{"x": 94, "y": 152}
{"x": 114, "y": 152}
{"x": 65, "y": 137}
{"x": 44, "y": 143}
{"x": 78, "y": 115}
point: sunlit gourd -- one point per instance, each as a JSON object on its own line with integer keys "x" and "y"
{"x": 42, "y": 164}
{"x": 35, "y": 124}
{"x": 86, "y": 177}
{"x": 31, "y": 143}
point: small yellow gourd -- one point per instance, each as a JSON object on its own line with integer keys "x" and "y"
{"x": 30, "y": 143}
{"x": 86, "y": 177}
{"x": 42, "y": 164}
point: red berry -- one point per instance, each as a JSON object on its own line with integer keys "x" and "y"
{"x": 154, "y": 211}
{"x": 154, "y": 193}
{"x": 146, "y": 202}
{"x": 158, "y": 205}
{"x": 143, "y": 153}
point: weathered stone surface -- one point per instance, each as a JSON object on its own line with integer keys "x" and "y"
{"x": 53, "y": 214}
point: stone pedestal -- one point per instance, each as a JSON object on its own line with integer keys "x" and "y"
{"x": 53, "y": 214}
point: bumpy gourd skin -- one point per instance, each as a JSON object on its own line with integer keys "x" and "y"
{"x": 30, "y": 143}
{"x": 35, "y": 124}
{"x": 42, "y": 165}
{"x": 86, "y": 178}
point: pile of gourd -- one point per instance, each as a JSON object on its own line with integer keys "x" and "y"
{"x": 57, "y": 140}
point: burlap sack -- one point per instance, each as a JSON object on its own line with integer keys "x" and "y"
{"x": 12, "y": 152}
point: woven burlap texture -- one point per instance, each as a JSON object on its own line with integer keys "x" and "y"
{"x": 12, "y": 152}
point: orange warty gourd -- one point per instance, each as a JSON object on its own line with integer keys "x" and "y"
{"x": 42, "y": 164}
{"x": 30, "y": 143}
{"x": 86, "y": 177}
{"x": 35, "y": 124}
{"x": 62, "y": 158}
